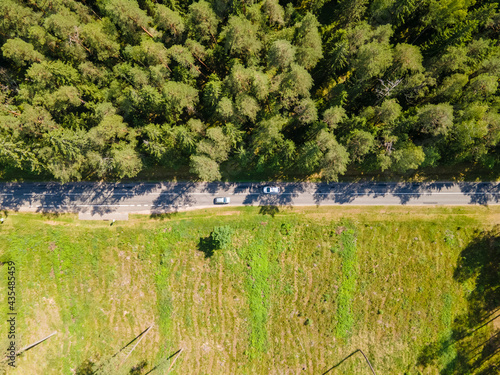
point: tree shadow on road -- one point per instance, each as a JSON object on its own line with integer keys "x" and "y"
{"x": 347, "y": 192}
{"x": 482, "y": 193}
{"x": 95, "y": 198}
{"x": 289, "y": 191}
{"x": 174, "y": 197}
{"x": 473, "y": 344}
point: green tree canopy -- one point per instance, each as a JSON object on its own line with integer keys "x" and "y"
{"x": 251, "y": 89}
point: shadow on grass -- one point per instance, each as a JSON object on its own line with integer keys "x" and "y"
{"x": 139, "y": 368}
{"x": 473, "y": 344}
{"x": 50, "y": 214}
{"x": 206, "y": 246}
{"x": 163, "y": 362}
{"x": 162, "y": 216}
{"x": 342, "y": 361}
{"x": 86, "y": 368}
{"x": 349, "y": 356}
{"x": 269, "y": 210}
{"x": 89, "y": 368}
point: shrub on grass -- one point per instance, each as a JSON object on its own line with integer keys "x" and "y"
{"x": 221, "y": 237}
{"x": 286, "y": 228}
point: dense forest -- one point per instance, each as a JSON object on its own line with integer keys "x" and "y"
{"x": 102, "y": 89}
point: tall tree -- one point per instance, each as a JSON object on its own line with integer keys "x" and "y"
{"x": 308, "y": 41}
{"x": 203, "y": 21}
{"x": 241, "y": 38}
{"x": 21, "y": 52}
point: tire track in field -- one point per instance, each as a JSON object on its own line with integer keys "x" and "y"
{"x": 320, "y": 290}
{"x": 215, "y": 334}
{"x": 287, "y": 339}
{"x": 175, "y": 334}
{"x": 296, "y": 340}
{"x": 233, "y": 345}
{"x": 221, "y": 308}
{"x": 240, "y": 331}
{"x": 232, "y": 339}
{"x": 240, "y": 337}
{"x": 301, "y": 330}
{"x": 295, "y": 327}
{"x": 232, "y": 325}
{"x": 322, "y": 337}
{"x": 308, "y": 298}
{"x": 290, "y": 338}
{"x": 207, "y": 346}
{"x": 280, "y": 341}
{"x": 197, "y": 307}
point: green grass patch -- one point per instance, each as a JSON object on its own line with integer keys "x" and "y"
{"x": 449, "y": 352}
{"x": 345, "y": 318}
{"x": 164, "y": 298}
{"x": 258, "y": 289}
{"x": 295, "y": 292}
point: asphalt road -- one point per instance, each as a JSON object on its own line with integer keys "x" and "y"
{"x": 98, "y": 198}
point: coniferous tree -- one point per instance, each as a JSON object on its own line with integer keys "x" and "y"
{"x": 104, "y": 89}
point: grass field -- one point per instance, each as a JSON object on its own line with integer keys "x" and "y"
{"x": 296, "y": 292}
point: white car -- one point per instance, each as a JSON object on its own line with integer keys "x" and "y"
{"x": 222, "y": 200}
{"x": 271, "y": 190}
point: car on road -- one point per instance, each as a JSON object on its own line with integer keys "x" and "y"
{"x": 222, "y": 200}
{"x": 271, "y": 190}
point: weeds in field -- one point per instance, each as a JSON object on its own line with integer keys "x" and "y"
{"x": 164, "y": 299}
{"x": 258, "y": 291}
{"x": 449, "y": 238}
{"x": 345, "y": 319}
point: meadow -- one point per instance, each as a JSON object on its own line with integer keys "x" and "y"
{"x": 297, "y": 291}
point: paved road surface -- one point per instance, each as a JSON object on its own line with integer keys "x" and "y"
{"x": 149, "y": 198}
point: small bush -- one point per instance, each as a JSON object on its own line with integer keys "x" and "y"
{"x": 286, "y": 229}
{"x": 221, "y": 237}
